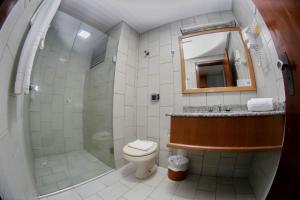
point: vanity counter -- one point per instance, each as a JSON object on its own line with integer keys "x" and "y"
{"x": 236, "y": 130}
{"x": 226, "y": 114}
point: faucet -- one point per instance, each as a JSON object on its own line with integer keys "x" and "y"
{"x": 220, "y": 107}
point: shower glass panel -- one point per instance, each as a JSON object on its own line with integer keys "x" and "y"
{"x": 70, "y": 105}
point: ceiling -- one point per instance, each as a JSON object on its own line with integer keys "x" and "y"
{"x": 142, "y": 15}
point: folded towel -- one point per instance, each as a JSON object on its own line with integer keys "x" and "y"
{"x": 260, "y": 104}
{"x": 141, "y": 145}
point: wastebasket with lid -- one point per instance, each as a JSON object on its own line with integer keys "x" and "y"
{"x": 177, "y": 167}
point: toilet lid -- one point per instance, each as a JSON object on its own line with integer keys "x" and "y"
{"x": 138, "y": 153}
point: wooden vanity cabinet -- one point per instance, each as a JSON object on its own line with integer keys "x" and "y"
{"x": 243, "y": 134}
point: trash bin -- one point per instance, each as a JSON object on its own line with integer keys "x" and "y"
{"x": 177, "y": 167}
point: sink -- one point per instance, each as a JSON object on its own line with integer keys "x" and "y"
{"x": 208, "y": 109}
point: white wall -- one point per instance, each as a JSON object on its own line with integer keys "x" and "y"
{"x": 270, "y": 84}
{"x": 124, "y": 100}
{"x": 16, "y": 182}
{"x": 160, "y": 73}
{"x": 268, "y": 77}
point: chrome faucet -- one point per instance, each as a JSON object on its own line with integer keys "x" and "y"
{"x": 220, "y": 107}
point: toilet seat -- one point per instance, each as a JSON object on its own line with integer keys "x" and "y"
{"x": 139, "y": 153}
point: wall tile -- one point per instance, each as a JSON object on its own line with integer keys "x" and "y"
{"x": 215, "y": 98}
{"x": 153, "y": 127}
{"x": 142, "y": 116}
{"x": 166, "y": 95}
{"x": 166, "y": 75}
{"x": 130, "y": 110}
{"x": 165, "y": 54}
{"x": 119, "y": 105}
{"x": 142, "y": 96}
{"x": 232, "y": 98}
{"x": 153, "y": 65}
{"x": 163, "y": 119}
{"x": 153, "y": 109}
{"x": 153, "y": 84}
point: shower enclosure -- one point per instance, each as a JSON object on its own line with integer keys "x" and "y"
{"x": 70, "y": 105}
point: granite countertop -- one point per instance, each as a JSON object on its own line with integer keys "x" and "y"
{"x": 226, "y": 114}
{"x": 235, "y": 111}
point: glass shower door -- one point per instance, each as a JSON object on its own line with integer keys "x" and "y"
{"x": 70, "y": 105}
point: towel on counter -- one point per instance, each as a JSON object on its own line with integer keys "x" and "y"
{"x": 141, "y": 145}
{"x": 260, "y": 104}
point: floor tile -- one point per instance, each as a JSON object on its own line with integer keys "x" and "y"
{"x": 165, "y": 190}
{"x": 207, "y": 183}
{"x": 205, "y": 195}
{"x": 57, "y": 172}
{"x": 111, "y": 178}
{"x": 225, "y": 192}
{"x": 124, "y": 186}
{"x": 114, "y": 191}
{"x": 155, "y": 179}
{"x": 68, "y": 195}
{"x": 245, "y": 197}
{"x": 187, "y": 188}
{"x": 90, "y": 188}
{"x": 94, "y": 197}
{"x": 140, "y": 192}
{"x": 242, "y": 186}
{"x": 130, "y": 181}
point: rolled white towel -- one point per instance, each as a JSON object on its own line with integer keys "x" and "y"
{"x": 141, "y": 145}
{"x": 260, "y": 104}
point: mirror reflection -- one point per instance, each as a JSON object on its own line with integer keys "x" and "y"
{"x": 215, "y": 60}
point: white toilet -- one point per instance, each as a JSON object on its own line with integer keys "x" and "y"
{"x": 144, "y": 160}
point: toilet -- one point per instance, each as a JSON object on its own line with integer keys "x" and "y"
{"x": 144, "y": 160}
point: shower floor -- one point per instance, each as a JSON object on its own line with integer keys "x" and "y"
{"x": 60, "y": 171}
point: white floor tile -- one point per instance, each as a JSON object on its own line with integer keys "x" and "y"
{"x": 111, "y": 178}
{"x": 155, "y": 179}
{"x": 207, "y": 183}
{"x": 245, "y": 197}
{"x": 140, "y": 192}
{"x": 205, "y": 195}
{"x": 68, "y": 195}
{"x": 117, "y": 186}
{"x": 114, "y": 191}
{"x": 94, "y": 197}
{"x": 130, "y": 181}
{"x": 60, "y": 171}
{"x": 165, "y": 190}
{"x": 187, "y": 189}
{"x": 225, "y": 192}
{"x": 90, "y": 188}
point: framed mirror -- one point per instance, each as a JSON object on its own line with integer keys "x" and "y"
{"x": 216, "y": 61}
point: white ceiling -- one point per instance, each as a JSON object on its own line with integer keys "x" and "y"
{"x": 142, "y": 15}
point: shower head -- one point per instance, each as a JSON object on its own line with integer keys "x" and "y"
{"x": 147, "y": 53}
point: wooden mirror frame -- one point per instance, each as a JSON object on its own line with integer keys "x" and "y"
{"x": 216, "y": 89}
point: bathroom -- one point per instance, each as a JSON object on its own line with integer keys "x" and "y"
{"x": 97, "y": 96}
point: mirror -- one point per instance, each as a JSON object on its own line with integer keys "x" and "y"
{"x": 216, "y": 61}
